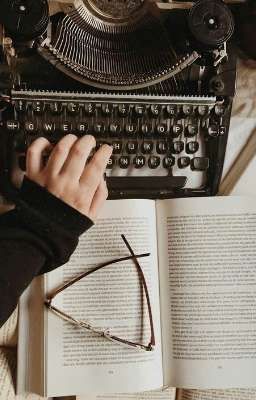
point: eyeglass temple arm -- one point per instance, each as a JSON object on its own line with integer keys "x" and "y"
{"x": 84, "y": 274}
{"x": 152, "y": 340}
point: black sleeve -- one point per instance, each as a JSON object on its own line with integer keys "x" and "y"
{"x": 39, "y": 235}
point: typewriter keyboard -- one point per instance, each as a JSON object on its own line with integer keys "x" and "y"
{"x": 152, "y": 136}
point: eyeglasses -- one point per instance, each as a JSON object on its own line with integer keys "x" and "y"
{"x": 106, "y": 333}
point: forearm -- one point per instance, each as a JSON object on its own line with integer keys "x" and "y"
{"x": 21, "y": 261}
{"x": 38, "y": 236}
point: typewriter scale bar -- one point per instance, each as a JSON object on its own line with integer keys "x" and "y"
{"x": 158, "y": 144}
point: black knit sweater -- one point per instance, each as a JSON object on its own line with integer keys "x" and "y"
{"x": 39, "y": 235}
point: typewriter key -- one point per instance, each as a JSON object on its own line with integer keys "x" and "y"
{"x": 124, "y": 162}
{"x": 147, "y": 147}
{"x": 192, "y": 147}
{"x": 168, "y": 162}
{"x": 199, "y": 164}
{"x": 177, "y": 147}
{"x": 153, "y": 162}
{"x": 162, "y": 147}
{"x": 139, "y": 161}
{"x": 56, "y": 108}
{"x": 12, "y": 125}
{"x": 132, "y": 147}
{"x": 183, "y": 162}
{"x": 20, "y": 106}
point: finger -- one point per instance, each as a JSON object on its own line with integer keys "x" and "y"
{"x": 59, "y": 154}
{"x": 77, "y": 157}
{"x": 93, "y": 172}
{"x": 98, "y": 200}
{"x": 34, "y": 162}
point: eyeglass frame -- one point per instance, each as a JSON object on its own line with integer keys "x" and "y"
{"x": 106, "y": 334}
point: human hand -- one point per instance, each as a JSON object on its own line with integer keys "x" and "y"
{"x": 65, "y": 174}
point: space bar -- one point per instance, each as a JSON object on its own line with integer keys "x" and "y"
{"x": 146, "y": 182}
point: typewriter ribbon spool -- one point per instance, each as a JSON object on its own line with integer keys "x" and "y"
{"x": 211, "y": 23}
{"x": 24, "y": 19}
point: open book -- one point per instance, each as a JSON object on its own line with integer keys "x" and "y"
{"x": 201, "y": 275}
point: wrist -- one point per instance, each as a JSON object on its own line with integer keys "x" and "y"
{"x": 52, "y": 208}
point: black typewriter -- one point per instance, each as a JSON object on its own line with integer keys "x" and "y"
{"x": 155, "y": 79}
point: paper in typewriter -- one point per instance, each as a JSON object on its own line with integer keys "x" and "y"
{"x": 201, "y": 276}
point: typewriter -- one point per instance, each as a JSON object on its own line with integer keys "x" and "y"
{"x": 155, "y": 79}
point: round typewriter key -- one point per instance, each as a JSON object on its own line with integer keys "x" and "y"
{"x": 146, "y": 129}
{"x": 171, "y": 110}
{"x": 89, "y": 109}
{"x": 177, "y": 147}
{"x": 220, "y": 110}
{"x": 213, "y": 130}
{"x": 139, "y": 110}
{"x": 147, "y": 147}
{"x": 66, "y": 127}
{"x": 99, "y": 129}
{"x": 183, "y": 162}
{"x": 155, "y": 110}
{"x": 49, "y": 127}
{"x": 203, "y": 110}
{"x": 222, "y": 130}
{"x": 187, "y": 109}
{"x": 162, "y": 147}
{"x": 123, "y": 110}
{"x": 139, "y": 161}
{"x": 106, "y": 109}
{"x": 192, "y": 147}
{"x": 82, "y": 128}
{"x": 38, "y": 107}
{"x": 12, "y": 125}
{"x": 177, "y": 130}
{"x": 111, "y": 162}
{"x": 168, "y": 162}
{"x": 115, "y": 129}
{"x": 56, "y": 108}
{"x": 191, "y": 130}
{"x": 130, "y": 129}
{"x": 132, "y": 147}
{"x": 20, "y": 106}
{"x": 199, "y": 164}
{"x": 117, "y": 147}
{"x": 162, "y": 129}
{"x": 124, "y": 162}
{"x": 153, "y": 162}
{"x": 73, "y": 108}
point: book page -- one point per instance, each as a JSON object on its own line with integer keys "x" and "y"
{"x": 207, "y": 264}
{"x": 79, "y": 361}
{"x": 30, "y": 354}
{"x": 229, "y": 394}
{"x": 164, "y": 394}
{"x": 8, "y": 332}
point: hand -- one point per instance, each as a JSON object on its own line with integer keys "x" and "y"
{"x": 66, "y": 176}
